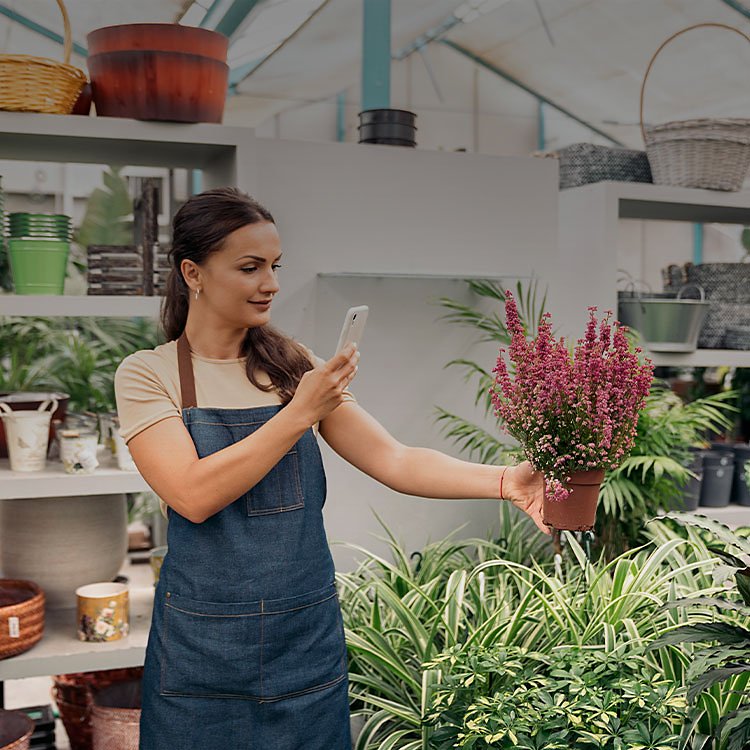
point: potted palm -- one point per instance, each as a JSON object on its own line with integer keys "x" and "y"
{"x": 574, "y": 414}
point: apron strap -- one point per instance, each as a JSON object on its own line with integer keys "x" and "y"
{"x": 187, "y": 378}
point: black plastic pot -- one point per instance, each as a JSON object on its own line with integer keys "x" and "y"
{"x": 390, "y": 127}
{"x": 718, "y": 475}
{"x": 691, "y": 492}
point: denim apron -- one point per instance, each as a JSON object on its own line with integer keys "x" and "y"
{"x": 246, "y": 649}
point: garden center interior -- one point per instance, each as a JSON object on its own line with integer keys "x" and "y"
{"x": 419, "y": 157}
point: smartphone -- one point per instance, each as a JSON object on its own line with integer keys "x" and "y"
{"x": 354, "y": 325}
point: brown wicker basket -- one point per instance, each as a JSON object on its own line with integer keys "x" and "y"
{"x": 21, "y": 616}
{"x": 74, "y": 696}
{"x": 705, "y": 153}
{"x": 16, "y": 729}
{"x": 39, "y": 84}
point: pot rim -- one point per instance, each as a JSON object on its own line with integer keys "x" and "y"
{"x": 197, "y": 30}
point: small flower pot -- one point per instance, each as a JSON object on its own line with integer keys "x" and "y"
{"x": 718, "y": 475}
{"x": 578, "y": 511}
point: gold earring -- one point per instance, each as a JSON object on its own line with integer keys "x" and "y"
{"x": 197, "y": 292}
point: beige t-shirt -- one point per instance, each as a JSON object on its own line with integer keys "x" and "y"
{"x": 147, "y": 387}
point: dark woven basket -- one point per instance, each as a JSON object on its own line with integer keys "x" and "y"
{"x": 74, "y": 695}
{"x": 585, "y": 163}
{"x": 737, "y": 337}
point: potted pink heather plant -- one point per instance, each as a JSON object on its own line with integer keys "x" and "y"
{"x": 574, "y": 415}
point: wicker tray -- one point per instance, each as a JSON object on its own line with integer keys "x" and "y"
{"x": 38, "y": 84}
{"x": 21, "y": 616}
{"x": 705, "y": 153}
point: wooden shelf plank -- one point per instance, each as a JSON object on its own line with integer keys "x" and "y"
{"x": 702, "y": 358}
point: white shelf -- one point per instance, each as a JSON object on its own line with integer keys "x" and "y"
{"x": 636, "y": 200}
{"x": 415, "y": 276}
{"x": 59, "y": 651}
{"x": 701, "y": 358}
{"x": 732, "y": 515}
{"x": 60, "y": 306}
{"x": 54, "y": 482}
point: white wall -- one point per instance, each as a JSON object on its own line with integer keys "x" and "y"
{"x": 349, "y": 207}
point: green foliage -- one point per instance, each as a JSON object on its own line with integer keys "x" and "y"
{"x": 651, "y": 479}
{"x": 78, "y": 356}
{"x": 105, "y": 221}
{"x": 498, "y": 697}
{"x": 728, "y": 627}
{"x": 400, "y": 617}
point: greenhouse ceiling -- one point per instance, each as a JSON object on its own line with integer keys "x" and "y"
{"x": 586, "y": 56}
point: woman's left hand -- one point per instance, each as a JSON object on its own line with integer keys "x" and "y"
{"x": 524, "y": 487}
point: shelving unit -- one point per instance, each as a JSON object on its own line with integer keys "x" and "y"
{"x": 589, "y": 221}
{"x": 385, "y": 275}
{"x": 227, "y": 156}
{"x": 93, "y": 306}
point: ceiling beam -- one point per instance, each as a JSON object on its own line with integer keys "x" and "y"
{"x": 39, "y": 29}
{"x": 738, "y": 6}
{"x": 540, "y": 97}
{"x": 237, "y": 12}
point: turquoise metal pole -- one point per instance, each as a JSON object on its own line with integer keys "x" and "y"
{"x": 341, "y": 117}
{"x": 541, "y": 138}
{"x": 43, "y": 30}
{"x": 376, "y": 55}
{"x": 697, "y": 243}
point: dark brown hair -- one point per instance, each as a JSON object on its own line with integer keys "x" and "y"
{"x": 199, "y": 229}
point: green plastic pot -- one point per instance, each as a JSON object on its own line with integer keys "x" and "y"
{"x": 38, "y": 266}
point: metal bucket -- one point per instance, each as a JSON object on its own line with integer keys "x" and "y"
{"x": 666, "y": 324}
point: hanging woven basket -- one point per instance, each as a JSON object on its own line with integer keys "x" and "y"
{"x": 39, "y": 84}
{"x": 704, "y": 153}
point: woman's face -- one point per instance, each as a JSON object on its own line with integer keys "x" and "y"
{"x": 238, "y": 282}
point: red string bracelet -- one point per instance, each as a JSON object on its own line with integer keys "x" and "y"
{"x": 502, "y": 476}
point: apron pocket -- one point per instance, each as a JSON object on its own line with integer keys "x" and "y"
{"x": 211, "y": 649}
{"x": 280, "y": 490}
{"x": 303, "y": 644}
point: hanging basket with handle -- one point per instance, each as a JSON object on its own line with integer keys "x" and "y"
{"x": 702, "y": 153}
{"x": 39, "y": 84}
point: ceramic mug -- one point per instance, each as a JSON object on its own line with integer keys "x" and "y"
{"x": 78, "y": 451}
{"x": 124, "y": 459}
{"x": 27, "y": 434}
{"x": 156, "y": 558}
{"x": 103, "y": 612}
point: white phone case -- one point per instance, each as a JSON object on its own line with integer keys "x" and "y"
{"x": 354, "y": 325}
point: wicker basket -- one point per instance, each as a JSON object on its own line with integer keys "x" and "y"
{"x": 16, "y": 729}
{"x": 706, "y": 153}
{"x": 116, "y": 716}
{"x": 74, "y": 696}
{"x": 584, "y": 163}
{"x": 38, "y": 84}
{"x": 21, "y": 616}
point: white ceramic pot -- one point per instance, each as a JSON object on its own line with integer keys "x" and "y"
{"x": 124, "y": 459}
{"x": 78, "y": 451}
{"x": 62, "y": 543}
{"x": 27, "y": 435}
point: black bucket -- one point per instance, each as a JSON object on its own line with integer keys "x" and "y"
{"x": 718, "y": 475}
{"x": 389, "y": 127}
{"x": 691, "y": 492}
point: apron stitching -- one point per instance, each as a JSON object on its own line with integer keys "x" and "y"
{"x": 255, "y": 614}
{"x": 262, "y": 641}
{"x": 260, "y": 699}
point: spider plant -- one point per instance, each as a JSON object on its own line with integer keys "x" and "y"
{"x": 401, "y": 617}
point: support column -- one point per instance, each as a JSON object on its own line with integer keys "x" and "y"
{"x": 376, "y": 55}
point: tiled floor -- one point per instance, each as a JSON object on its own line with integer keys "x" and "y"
{"x": 36, "y": 691}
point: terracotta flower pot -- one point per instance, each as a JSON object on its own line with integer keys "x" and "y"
{"x": 578, "y": 511}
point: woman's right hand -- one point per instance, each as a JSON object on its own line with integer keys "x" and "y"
{"x": 320, "y": 390}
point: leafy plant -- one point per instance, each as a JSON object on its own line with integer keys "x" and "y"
{"x": 729, "y": 659}
{"x": 401, "y": 616}
{"x": 507, "y": 698}
{"x": 78, "y": 356}
{"x": 649, "y": 481}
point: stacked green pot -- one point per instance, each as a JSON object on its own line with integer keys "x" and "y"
{"x": 38, "y": 247}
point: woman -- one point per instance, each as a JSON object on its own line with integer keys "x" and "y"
{"x": 247, "y": 648}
